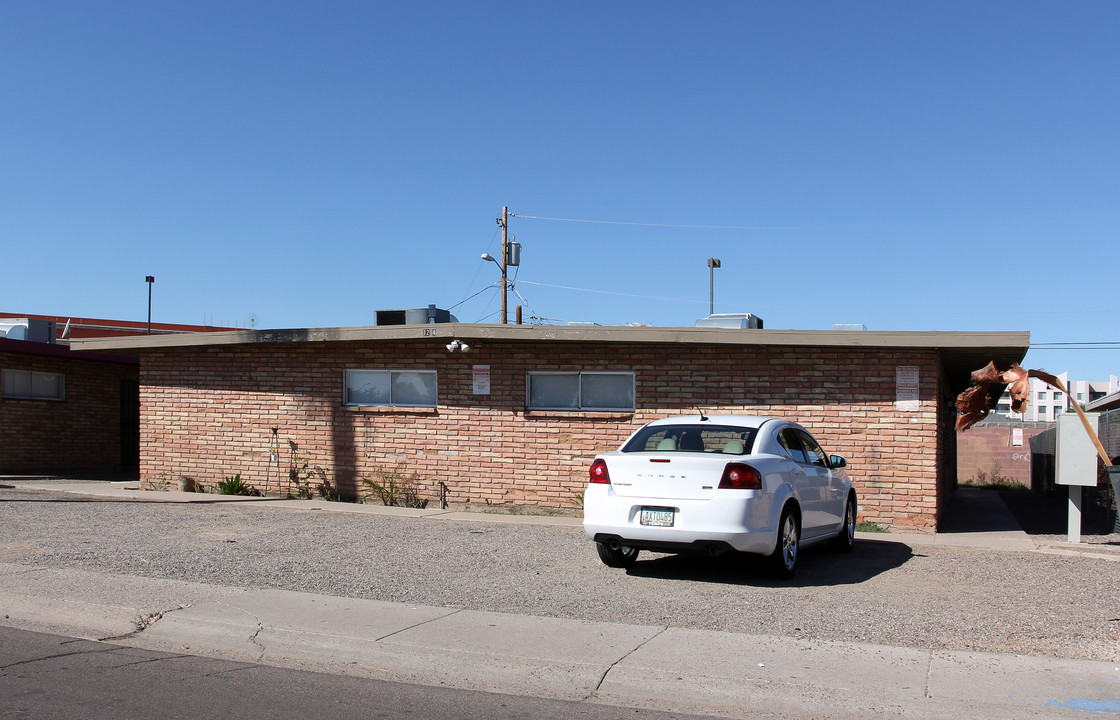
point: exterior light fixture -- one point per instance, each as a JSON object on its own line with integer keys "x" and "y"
{"x": 713, "y": 263}
{"x": 457, "y": 345}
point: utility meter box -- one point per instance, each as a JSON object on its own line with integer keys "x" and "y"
{"x": 1077, "y": 456}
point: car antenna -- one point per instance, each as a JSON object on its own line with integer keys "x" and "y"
{"x": 703, "y": 417}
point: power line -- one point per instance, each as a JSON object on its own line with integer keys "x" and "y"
{"x": 819, "y": 309}
{"x": 1075, "y": 346}
{"x": 610, "y": 292}
{"x": 491, "y": 286}
{"x": 819, "y": 228}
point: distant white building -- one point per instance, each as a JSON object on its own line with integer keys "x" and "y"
{"x": 1047, "y": 403}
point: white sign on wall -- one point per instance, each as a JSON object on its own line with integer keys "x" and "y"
{"x": 906, "y": 388}
{"x": 481, "y": 379}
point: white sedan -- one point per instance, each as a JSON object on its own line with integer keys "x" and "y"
{"x": 715, "y": 484}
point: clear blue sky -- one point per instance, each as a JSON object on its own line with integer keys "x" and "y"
{"x": 904, "y": 165}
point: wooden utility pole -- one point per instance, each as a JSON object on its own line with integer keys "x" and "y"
{"x": 505, "y": 259}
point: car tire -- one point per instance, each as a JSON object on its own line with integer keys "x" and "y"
{"x": 624, "y": 556}
{"x": 783, "y": 561}
{"x": 845, "y": 540}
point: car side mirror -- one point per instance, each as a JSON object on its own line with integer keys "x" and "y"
{"x": 837, "y": 461}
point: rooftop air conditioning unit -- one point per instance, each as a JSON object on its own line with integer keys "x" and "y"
{"x": 737, "y": 321}
{"x": 417, "y": 316}
{"x": 28, "y": 329}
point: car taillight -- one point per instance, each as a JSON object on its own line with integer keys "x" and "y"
{"x": 739, "y": 476}
{"x": 599, "y": 472}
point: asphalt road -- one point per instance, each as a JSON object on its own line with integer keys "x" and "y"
{"x": 48, "y": 676}
{"x": 887, "y": 592}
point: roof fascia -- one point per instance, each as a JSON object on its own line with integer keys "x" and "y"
{"x": 1017, "y": 340}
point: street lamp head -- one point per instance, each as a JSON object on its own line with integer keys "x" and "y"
{"x": 488, "y": 257}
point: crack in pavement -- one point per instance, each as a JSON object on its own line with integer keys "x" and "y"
{"x": 256, "y": 619}
{"x": 602, "y": 678}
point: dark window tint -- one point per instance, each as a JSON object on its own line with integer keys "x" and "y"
{"x": 724, "y": 439}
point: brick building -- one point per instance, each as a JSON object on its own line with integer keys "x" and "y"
{"x": 63, "y": 411}
{"x": 998, "y": 451}
{"x": 515, "y": 420}
{"x": 66, "y": 411}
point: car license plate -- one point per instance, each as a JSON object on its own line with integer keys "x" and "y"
{"x": 657, "y": 517}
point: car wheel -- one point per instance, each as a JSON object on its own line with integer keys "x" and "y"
{"x": 783, "y": 561}
{"x": 846, "y": 539}
{"x": 624, "y": 556}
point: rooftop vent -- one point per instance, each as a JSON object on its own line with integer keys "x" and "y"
{"x": 849, "y": 326}
{"x": 737, "y": 321}
{"x": 418, "y": 316}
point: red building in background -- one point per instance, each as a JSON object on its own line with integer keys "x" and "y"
{"x": 68, "y": 327}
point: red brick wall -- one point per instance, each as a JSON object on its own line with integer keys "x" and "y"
{"x": 208, "y": 412}
{"x": 987, "y": 450}
{"x": 78, "y": 434}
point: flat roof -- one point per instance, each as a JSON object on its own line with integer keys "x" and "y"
{"x": 1108, "y": 402}
{"x": 960, "y": 351}
{"x": 30, "y": 347}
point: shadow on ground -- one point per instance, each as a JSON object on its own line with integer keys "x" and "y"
{"x": 817, "y": 566}
{"x": 973, "y": 510}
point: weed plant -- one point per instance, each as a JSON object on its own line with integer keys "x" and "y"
{"x": 394, "y": 488}
{"x": 236, "y": 486}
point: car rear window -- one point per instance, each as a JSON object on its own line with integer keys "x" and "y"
{"x": 725, "y": 439}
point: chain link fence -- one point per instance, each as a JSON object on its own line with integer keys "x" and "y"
{"x": 1098, "y": 504}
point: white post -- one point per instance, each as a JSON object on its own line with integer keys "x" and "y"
{"x": 1075, "y": 514}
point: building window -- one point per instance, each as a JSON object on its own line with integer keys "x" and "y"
{"x": 1042, "y": 395}
{"x": 29, "y": 385}
{"x": 405, "y": 388}
{"x": 1042, "y": 413}
{"x": 1057, "y": 395}
{"x": 580, "y": 391}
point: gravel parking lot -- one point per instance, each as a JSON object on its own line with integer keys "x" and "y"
{"x": 885, "y": 592}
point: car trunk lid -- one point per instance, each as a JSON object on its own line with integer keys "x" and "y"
{"x": 679, "y": 476}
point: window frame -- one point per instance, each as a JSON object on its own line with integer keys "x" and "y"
{"x": 60, "y": 396}
{"x": 390, "y": 372}
{"x": 580, "y": 406}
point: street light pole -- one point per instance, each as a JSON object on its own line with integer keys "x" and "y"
{"x": 149, "y": 279}
{"x": 713, "y": 263}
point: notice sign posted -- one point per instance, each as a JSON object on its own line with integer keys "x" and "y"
{"x": 906, "y": 391}
{"x": 481, "y": 379}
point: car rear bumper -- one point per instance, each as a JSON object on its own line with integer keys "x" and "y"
{"x": 700, "y": 547}
{"x": 739, "y": 522}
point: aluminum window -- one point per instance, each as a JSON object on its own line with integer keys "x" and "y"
{"x": 403, "y": 388}
{"x": 611, "y": 391}
{"x": 30, "y": 385}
